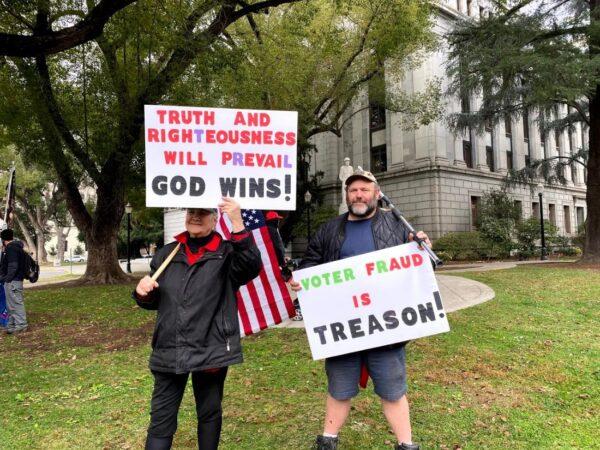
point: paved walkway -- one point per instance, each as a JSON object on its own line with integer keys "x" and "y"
{"x": 496, "y": 265}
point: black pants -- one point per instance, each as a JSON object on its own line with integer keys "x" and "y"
{"x": 166, "y": 399}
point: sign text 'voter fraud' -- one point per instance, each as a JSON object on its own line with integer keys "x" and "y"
{"x": 195, "y": 156}
{"x": 370, "y": 300}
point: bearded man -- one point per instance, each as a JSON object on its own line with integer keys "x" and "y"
{"x": 364, "y": 228}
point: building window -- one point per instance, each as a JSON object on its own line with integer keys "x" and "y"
{"x": 526, "y": 124}
{"x": 66, "y": 246}
{"x": 526, "y": 137}
{"x": 489, "y": 145}
{"x": 519, "y": 206}
{"x": 469, "y": 7}
{"x": 377, "y": 102}
{"x": 474, "y": 211}
{"x": 535, "y": 209}
{"x": 468, "y": 153}
{"x": 552, "y": 213}
{"x": 377, "y": 117}
{"x": 580, "y": 216}
{"x": 509, "y": 144}
{"x": 489, "y": 158}
{"x": 572, "y": 165}
{"x": 378, "y": 159}
{"x": 567, "y": 218}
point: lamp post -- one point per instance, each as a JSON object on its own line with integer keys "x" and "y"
{"x": 544, "y": 254}
{"x": 307, "y": 199}
{"x": 128, "y": 210}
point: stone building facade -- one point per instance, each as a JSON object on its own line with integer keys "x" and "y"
{"x": 437, "y": 178}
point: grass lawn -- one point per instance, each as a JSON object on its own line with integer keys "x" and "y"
{"x": 521, "y": 371}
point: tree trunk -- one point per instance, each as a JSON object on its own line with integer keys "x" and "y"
{"x": 103, "y": 264}
{"x": 42, "y": 255}
{"x": 39, "y": 224}
{"x": 101, "y": 238}
{"x": 27, "y": 236}
{"x": 60, "y": 243}
{"x": 591, "y": 249}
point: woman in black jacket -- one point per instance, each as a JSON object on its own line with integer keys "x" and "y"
{"x": 197, "y": 327}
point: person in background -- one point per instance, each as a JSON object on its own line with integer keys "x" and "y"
{"x": 272, "y": 219}
{"x": 12, "y": 273}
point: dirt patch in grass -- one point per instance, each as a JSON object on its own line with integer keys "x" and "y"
{"x": 40, "y": 338}
{"x": 81, "y": 282}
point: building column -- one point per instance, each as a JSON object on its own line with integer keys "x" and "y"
{"x": 564, "y": 145}
{"x": 479, "y": 144}
{"x": 499, "y": 140}
{"x": 518, "y": 143}
{"x": 577, "y": 145}
{"x": 535, "y": 142}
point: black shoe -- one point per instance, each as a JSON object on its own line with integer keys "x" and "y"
{"x": 326, "y": 443}
{"x": 404, "y": 446}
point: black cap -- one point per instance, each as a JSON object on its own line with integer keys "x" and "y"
{"x": 7, "y": 235}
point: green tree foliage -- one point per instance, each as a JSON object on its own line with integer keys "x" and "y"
{"x": 83, "y": 107}
{"x": 37, "y": 199}
{"x": 146, "y": 231}
{"x": 461, "y": 246}
{"x": 319, "y": 58}
{"x": 497, "y": 218}
{"x": 529, "y": 234}
{"x": 534, "y": 55}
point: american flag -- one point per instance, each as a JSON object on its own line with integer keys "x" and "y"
{"x": 265, "y": 301}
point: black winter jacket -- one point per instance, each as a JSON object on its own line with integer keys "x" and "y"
{"x": 326, "y": 244}
{"x": 12, "y": 265}
{"x": 197, "y": 322}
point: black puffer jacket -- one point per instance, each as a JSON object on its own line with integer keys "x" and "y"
{"x": 325, "y": 245}
{"x": 12, "y": 266}
{"x": 197, "y": 322}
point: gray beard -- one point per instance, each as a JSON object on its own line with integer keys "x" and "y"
{"x": 362, "y": 213}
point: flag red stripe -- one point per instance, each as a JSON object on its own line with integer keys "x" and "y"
{"x": 287, "y": 300}
{"x": 251, "y": 311}
{"x": 246, "y": 325}
{"x": 224, "y": 228}
{"x": 272, "y": 302}
{"x": 262, "y": 323}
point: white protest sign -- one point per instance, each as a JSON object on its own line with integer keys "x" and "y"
{"x": 370, "y": 300}
{"x": 195, "y": 156}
